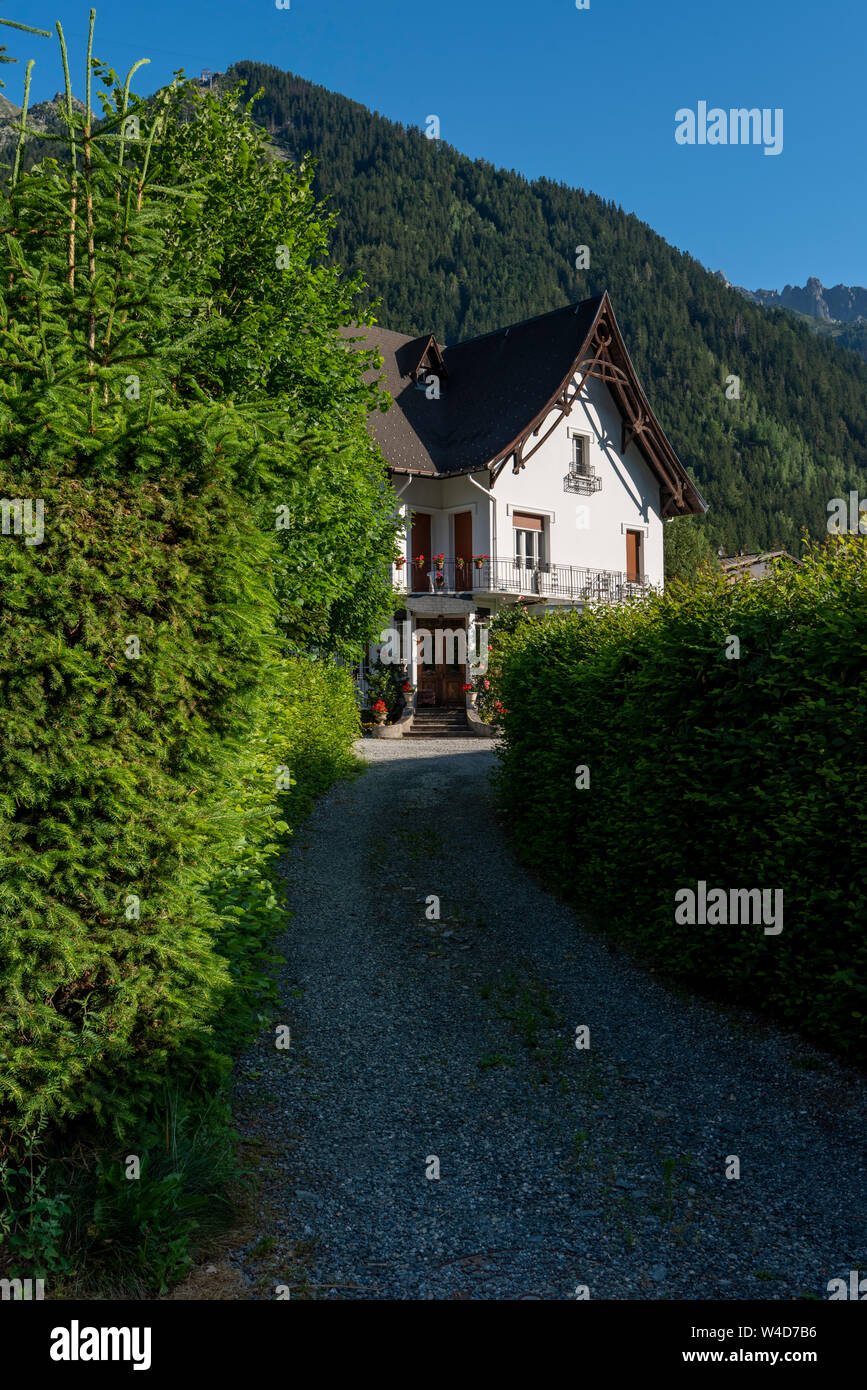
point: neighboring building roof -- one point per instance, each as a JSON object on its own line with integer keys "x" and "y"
{"x": 497, "y": 389}
{"x": 753, "y": 566}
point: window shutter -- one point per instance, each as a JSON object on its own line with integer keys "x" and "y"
{"x": 526, "y": 523}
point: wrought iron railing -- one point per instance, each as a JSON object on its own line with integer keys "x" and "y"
{"x": 571, "y": 582}
{"x": 583, "y": 483}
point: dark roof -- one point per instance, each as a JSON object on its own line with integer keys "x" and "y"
{"x": 498, "y": 387}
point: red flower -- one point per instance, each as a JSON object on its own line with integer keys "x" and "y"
{"x": 466, "y": 686}
{"x": 380, "y": 705}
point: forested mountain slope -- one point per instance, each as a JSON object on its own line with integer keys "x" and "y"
{"x": 454, "y": 245}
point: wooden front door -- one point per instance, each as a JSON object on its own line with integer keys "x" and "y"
{"x": 440, "y": 682}
{"x": 419, "y": 581}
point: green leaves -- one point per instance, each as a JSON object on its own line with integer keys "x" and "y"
{"x": 144, "y": 692}
{"x": 743, "y": 773}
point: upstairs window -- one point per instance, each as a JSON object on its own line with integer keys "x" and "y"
{"x": 581, "y": 477}
{"x": 580, "y": 461}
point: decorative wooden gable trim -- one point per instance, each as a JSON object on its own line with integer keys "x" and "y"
{"x": 603, "y": 356}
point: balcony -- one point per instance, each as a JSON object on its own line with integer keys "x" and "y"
{"x": 585, "y": 484}
{"x": 566, "y": 582}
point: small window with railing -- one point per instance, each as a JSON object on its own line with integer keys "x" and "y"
{"x": 581, "y": 477}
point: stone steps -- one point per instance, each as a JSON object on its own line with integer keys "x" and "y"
{"x": 439, "y": 723}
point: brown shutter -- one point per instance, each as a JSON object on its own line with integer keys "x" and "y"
{"x": 420, "y": 545}
{"x": 463, "y": 549}
{"x": 633, "y": 557}
{"x": 526, "y": 523}
{"x": 421, "y": 535}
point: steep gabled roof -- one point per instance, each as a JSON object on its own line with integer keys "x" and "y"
{"x": 498, "y": 389}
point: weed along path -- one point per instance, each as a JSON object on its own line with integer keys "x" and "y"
{"x": 433, "y": 1132}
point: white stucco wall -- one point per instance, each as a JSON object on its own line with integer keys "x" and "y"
{"x": 587, "y": 531}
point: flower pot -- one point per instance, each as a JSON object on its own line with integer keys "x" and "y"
{"x": 380, "y": 717}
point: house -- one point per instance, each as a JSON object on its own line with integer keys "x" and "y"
{"x": 753, "y": 566}
{"x": 530, "y": 468}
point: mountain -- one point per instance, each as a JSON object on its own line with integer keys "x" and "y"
{"x": 839, "y": 304}
{"x": 44, "y": 119}
{"x": 459, "y": 247}
{"x": 839, "y": 312}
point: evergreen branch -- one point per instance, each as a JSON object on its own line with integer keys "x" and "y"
{"x": 91, "y": 253}
{"x": 28, "y": 29}
{"x": 88, "y": 65}
{"x": 22, "y": 130}
{"x": 70, "y": 264}
{"x": 135, "y": 67}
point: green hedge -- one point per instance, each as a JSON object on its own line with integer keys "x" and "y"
{"x": 153, "y": 777}
{"x": 116, "y": 777}
{"x": 744, "y": 773}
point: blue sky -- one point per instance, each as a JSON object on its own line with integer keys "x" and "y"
{"x": 585, "y": 97}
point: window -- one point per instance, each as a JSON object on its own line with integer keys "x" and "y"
{"x": 529, "y": 541}
{"x": 580, "y": 460}
{"x": 581, "y": 477}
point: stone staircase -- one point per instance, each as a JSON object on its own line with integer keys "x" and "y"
{"x": 439, "y": 723}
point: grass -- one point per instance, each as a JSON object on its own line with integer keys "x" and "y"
{"x": 105, "y": 1232}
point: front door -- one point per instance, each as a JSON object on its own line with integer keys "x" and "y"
{"x": 440, "y": 682}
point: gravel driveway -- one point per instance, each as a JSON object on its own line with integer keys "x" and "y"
{"x": 454, "y": 1039}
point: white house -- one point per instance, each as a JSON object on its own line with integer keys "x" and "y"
{"x": 530, "y": 468}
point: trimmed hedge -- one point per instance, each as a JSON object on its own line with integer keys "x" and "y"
{"x": 117, "y": 772}
{"x": 744, "y": 773}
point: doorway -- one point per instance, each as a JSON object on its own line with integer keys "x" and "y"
{"x": 440, "y": 682}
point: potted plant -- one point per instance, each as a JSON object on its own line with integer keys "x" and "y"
{"x": 468, "y": 690}
{"x": 479, "y": 560}
{"x": 380, "y": 712}
{"x": 400, "y": 561}
{"x": 419, "y": 562}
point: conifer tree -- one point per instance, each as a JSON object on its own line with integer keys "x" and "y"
{"x": 139, "y": 636}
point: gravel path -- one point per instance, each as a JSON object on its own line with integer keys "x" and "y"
{"x": 454, "y": 1039}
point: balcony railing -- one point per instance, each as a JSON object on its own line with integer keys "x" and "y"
{"x": 571, "y": 582}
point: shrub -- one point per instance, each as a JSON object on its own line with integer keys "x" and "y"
{"x": 740, "y": 772}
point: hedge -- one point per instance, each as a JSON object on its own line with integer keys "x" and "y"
{"x": 740, "y": 771}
